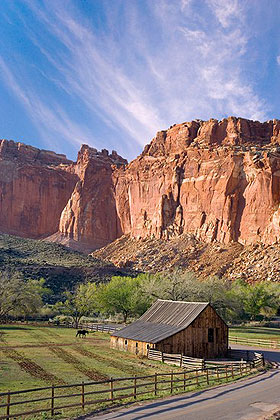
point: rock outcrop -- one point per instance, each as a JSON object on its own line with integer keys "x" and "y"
{"x": 35, "y": 186}
{"x": 215, "y": 180}
{"x": 90, "y": 220}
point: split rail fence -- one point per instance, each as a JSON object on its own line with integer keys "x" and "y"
{"x": 53, "y": 399}
{"x": 101, "y": 327}
{"x": 274, "y": 344}
{"x": 241, "y": 357}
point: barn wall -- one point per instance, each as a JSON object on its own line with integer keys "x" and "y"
{"x": 141, "y": 349}
{"x": 193, "y": 341}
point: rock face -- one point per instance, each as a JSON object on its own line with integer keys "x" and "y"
{"x": 35, "y": 186}
{"x": 215, "y": 180}
{"x": 90, "y": 220}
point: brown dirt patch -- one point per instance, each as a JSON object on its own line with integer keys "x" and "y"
{"x": 31, "y": 367}
{"x": 105, "y": 359}
{"x": 77, "y": 364}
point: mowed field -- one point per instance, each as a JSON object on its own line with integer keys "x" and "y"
{"x": 34, "y": 356}
{"x": 255, "y": 332}
{"x": 40, "y": 356}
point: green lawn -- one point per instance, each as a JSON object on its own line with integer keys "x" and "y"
{"x": 255, "y": 332}
{"x": 38, "y": 356}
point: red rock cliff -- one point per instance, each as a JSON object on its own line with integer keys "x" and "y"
{"x": 90, "y": 219}
{"x": 218, "y": 180}
{"x": 35, "y": 186}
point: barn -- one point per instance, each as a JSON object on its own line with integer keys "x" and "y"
{"x": 192, "y": 328}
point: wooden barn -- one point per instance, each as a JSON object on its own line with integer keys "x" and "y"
{"x": 191, "y": 328}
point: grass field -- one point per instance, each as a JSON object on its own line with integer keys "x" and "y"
{"x": 39, "y": 356}
{"x": 255, "y": 332}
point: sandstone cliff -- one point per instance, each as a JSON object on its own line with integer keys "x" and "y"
{"x": 90, "y": 220}
{"x": 216, "y": 180}
{"x": 35, "y": 186}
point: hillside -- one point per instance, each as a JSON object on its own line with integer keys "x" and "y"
{"x": 61, "y": 267}
{"x": 251, "y": 262}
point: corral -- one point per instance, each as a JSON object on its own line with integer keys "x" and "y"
{"x": 190, "y": 328}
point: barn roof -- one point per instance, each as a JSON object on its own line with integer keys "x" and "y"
{"x": 163, "y": 319}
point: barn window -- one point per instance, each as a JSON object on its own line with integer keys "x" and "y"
{"x": 125, "y": 342}
{"x": 136, "y": 344}
{"x": 210, "y": 335}
{"x": 148, "y": 346}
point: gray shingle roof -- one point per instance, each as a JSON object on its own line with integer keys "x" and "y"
{"x": 163, "y": 319}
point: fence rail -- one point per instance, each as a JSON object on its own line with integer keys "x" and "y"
{"x": 54, "y": 398}
{"x": 100, "y": 327}
{"x": 239, "y": 356}
{"x": 261, "y": 342}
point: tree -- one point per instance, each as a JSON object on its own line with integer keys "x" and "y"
{"x": 122, "y": 295}
{"x": 177, "y": 285}
{"x": 81, "y": 302}
{"x": 258, "y": 299}
{"x": 20, "y": 297}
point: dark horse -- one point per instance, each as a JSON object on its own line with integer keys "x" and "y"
{"x": 82, "y": 333}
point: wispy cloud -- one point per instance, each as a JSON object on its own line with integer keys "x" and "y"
{"x": 145, "y": 67}
{"x": 50, "y": 122}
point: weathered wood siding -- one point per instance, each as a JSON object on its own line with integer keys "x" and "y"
{"x": 193, "y": 341}
{"x": 136, "y": 347}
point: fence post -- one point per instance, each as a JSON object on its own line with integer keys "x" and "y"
{"x": 155, "y": 383}
{"x": 232, "y": 371}
{"x": 197, "y": 383}
{"x": 135, "y": 387}
{"x": 52, "y": 402}
{"x": 203, "y": 364}
{"x": 111, "y": 389}
{"x": 181, "y": 361}
{"x": 218, "y": 374}
{"x": 263, "y": 362}
{"x": 8, "y": 405}
{"x": 184, "y": 380}
{"x": 207, "y": 376}
{"x": 171, "y": 382}
{"x": 241, "y": 361}
{"x": 83, "y": 395}
{"x": 226, "y": 373}
{"x": 162, "y": 359}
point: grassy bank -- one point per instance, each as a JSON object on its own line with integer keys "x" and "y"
{"x": 61, "y": 267}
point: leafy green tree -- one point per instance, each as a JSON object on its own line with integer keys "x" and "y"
{"x": 258, "y": 299}
{"x": 81, "y": 302}
{"x": 122, "y": 295}
{"x": 20, "y": 297}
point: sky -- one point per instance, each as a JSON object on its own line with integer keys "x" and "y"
{"x": 111, "y": 73}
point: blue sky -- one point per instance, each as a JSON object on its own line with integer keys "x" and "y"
{"x": 111, "y": 73}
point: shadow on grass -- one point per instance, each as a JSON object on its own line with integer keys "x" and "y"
{"x": 13, "y": 327}
{"x": 257, "y": 330}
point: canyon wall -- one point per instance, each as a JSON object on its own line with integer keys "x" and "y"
{"x": 217, "y": 180}
{"x": 35, "y": 186}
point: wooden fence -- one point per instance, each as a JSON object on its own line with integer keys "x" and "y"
{"x": 239, "y": 356}
{"x": 260, "y": 342}
{"x": 53, "y": 399}
{"x": 101, "y": 327}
